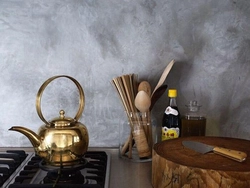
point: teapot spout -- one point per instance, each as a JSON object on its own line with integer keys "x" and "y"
{"x": 32, "y": 136}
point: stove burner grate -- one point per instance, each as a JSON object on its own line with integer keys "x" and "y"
{"x": 94, "y": 174}
{"x": 59, "y": 186}
{"x": 69, "y": 168}
{"x": 64, "y": 174}
{"x": 58, "y": 178}
{"x": 9, "y": 162}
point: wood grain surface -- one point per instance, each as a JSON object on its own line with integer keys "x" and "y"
{"x": 174, "y": 165}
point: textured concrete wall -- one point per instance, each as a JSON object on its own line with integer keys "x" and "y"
{"x": 95, "y": 41}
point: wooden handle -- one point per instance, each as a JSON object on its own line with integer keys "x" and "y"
{"x": 232, "y": 154}
{"x": 141, "y": 142}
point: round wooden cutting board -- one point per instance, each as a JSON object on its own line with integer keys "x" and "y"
{"x": 175, "y": 166}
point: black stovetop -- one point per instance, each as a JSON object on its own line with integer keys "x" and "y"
{"x": 20, "y": 169}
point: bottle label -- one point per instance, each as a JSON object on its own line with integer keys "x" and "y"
{"x": 170, "y": 133}
{"x": 170, "y": 110}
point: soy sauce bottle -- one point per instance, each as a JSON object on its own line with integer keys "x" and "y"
{"x": 171, "y": 121}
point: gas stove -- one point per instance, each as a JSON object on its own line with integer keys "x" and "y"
{"x": 20, "y": 169}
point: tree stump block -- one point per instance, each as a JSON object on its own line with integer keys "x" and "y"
{"x": 175, "y": 166}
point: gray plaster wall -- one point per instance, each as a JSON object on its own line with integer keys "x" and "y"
{"x": 95, "y": 41}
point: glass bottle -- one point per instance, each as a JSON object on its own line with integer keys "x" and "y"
{"x": 171, "y": 121}
{"x": 193, "y": 123}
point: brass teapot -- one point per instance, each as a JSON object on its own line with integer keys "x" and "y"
{"x": 62, "y": 141}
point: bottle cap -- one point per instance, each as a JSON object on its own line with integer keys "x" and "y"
{"x": 172, "y": 93}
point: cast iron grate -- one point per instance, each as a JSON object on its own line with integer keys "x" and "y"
{"x": 9, "y": 162}
{"x": 96, "y": 170}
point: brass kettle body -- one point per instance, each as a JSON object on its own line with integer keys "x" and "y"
{"x": 62, "y": 141}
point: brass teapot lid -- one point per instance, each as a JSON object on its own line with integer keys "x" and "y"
{"x": 60, "y": 121}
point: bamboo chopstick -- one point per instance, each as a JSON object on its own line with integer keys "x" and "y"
{"x": 126, "y": 86}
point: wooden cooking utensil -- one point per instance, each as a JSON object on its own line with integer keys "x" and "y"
{"x": 164, "y": 76}
{"x": 146, "y": 116}
{"x": 142, "y": 101}
{"x": 125, "y": 86}
{"x": 157, "y": 94}
{"x": 145, "y": 86}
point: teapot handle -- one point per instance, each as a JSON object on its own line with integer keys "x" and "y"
{"x": 45, "y": 84}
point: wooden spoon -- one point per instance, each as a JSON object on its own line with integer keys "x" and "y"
{"x": 163, "y": 76}
{"x": 145, "y": 86}
{"x": 142, "y": 101}
{"x": 157, "y": 94}
{"x": 146, "y": 118}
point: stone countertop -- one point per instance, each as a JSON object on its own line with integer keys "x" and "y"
{"x": 128, "y": 174}
{"x": 123, "y": 173}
